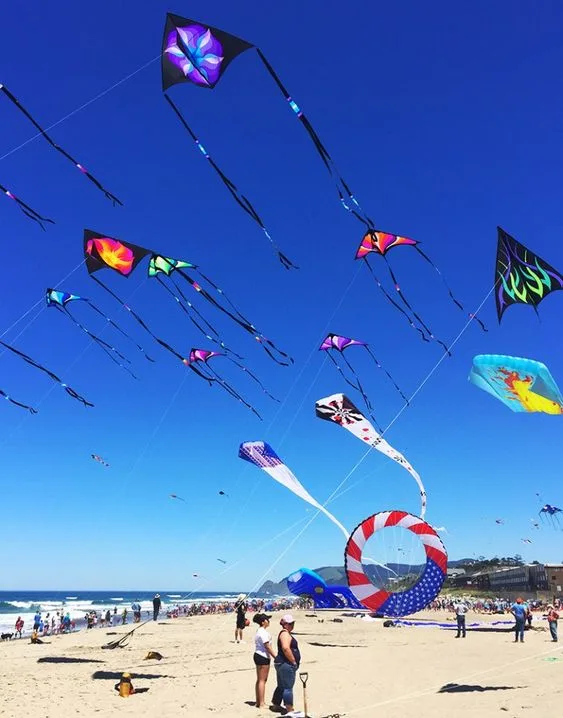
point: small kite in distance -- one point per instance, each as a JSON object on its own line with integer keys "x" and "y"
{"x": 221, "y": 560}
{"x": 222, "y": 493}
{"x": 499, "y": 521}
{"x": 99, "y": 459}
{"x": 178, "y": 498}
{"x": 549, "y": 512}
{"x": 526, "y": 540}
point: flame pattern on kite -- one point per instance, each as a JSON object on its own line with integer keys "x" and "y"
{"x": 521, "y": 277}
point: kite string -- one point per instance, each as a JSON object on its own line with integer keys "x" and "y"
{"x": 80, "y": 107}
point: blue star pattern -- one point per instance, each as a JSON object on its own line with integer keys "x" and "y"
{"x": 418, "y": 596}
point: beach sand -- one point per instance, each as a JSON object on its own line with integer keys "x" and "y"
{"x": 355, "y": 668}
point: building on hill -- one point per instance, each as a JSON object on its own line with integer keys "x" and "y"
{"x": 535, "y": 580}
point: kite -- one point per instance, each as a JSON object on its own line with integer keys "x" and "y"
{"x": 526, "y": 540}
{"x": 99, "y": 459}
{"x": 202, "y": 357}
{"x": 523, "y": 385}
{"x": 264, "y": 457}
{"x": 521, "y": 277}
{"x": 340, "y": 344}
{"x": 32, "y": 214}
{"x": 199, "y": 54}
{"x": 340, "y": 410}
{"x": 61, "y": 300}
{"x": 380, "y": 243}
{"x": 29, "y": 360}
{"x": 178, "y": 498}
{"x": 236, "y": 194}
{"x": 418, "y": 596}
{"x": 549, "y": 512}
{"x": 26, "y": 209}
{"x": 222, "y": 493}
{"x": 534, "y": 523}
{"x": 15, "y": 402}
{"x": 499, "y": 521}
{"x": 221, "y": 560}
{"x": 103, "y": 252}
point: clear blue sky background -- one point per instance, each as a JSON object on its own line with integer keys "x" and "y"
{"x": 446, "y": 120}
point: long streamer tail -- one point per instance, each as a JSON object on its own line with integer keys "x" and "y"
{"x": 69, "y": 390}
{"x": 140, "y": 321}
{"x": 394, "y": 303}
{"x": 189, "y": 310}
{"x": 26, "y": 209}
{"x": 270, "y": 348}
{"x": 255, "y": 378}
{"x": 409, "y": 306}
{"x": 57, "y": 147}
{"x": 120, "y": 330}
{"x": 111, "y": 351}
{"x": 347, "y": 198}
{"x": 447, "y": 286}
{"x": 243, "y": 202}
{"x": 17, "y": 403}
{"x": 228, "y": 388}
{"x": 384, "y": 370}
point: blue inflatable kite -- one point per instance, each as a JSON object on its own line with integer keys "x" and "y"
{"x": 522, "y": 384}
{"x": 305, "y": 582}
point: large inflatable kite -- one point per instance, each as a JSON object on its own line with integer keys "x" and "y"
{"x": 523, "y": 385}
{"x": 341, "y": 411}
{"x": 264, "y": 457}
{"x": 305, "y": 582}
{"x": 418, "y": 596}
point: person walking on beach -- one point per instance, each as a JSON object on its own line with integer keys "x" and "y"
{"x": 241, "y": 608}
{"x": 519, "y": 610}
{"x": 460, "y": 609}
{"x": 156, "y": 603}
{"x": 552, "y": 618}
{"x": 19, "y": 626}
{"x": 36, "y": 621}
{"x": 136, "y": 608}
{"x": 262, "y": 652}
{"x": 286, "y": 664}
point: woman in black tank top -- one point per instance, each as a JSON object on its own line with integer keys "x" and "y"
{"x": 286, "y": 663}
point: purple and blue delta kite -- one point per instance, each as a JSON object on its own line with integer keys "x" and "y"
{"x": 336, "y": 343}
{"x": 61, "y": 300}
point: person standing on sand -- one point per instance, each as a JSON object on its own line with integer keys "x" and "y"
{"x": 286, "y": 663}
{"x": 552, "y": 618}
{"x": 460, "y": 609}
{"x": 262, "y": 652}
{"x": 241, "y": 608}
{"x": 156, "y": 603}
{"x": 20, "y": 623}
{"x": 519, "y": 610}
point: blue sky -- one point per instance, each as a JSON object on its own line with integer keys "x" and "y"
{"x": 445, "y": 119}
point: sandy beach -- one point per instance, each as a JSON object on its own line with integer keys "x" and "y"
{"x": 356, "y": 668}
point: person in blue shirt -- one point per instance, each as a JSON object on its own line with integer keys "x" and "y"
{"x": 519, "y": 610}
{"x": 36, "y": 621}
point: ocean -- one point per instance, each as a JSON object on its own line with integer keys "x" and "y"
{"x": 78, "y": 603}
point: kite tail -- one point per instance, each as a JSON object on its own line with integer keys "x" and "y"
{"x": 188, "y": 311}
{"x": 112, "y": 352}
{"x": 347, "y": 198}
{"x": 394, "y": 303}
{"x": 230, "y": 390}
{"x": 237, "y": 317}
{"x": 415, "y": 315}
{"x": 448, "y": 289}
{"x": 361, "y": 389}
{"x": 239, "y": 198}
{"x": 255, "y": 378}
{"x": 17, "y": 403}
{"x": 26, "y": 209}
{"x": 53, "y": 144}
{"x": 380, "y": 366}
{"x": 357, "y": 386}
{"x": 69, "y": 390}
{"x": 119, "y": 329}
{"x": 140, "y": 321}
